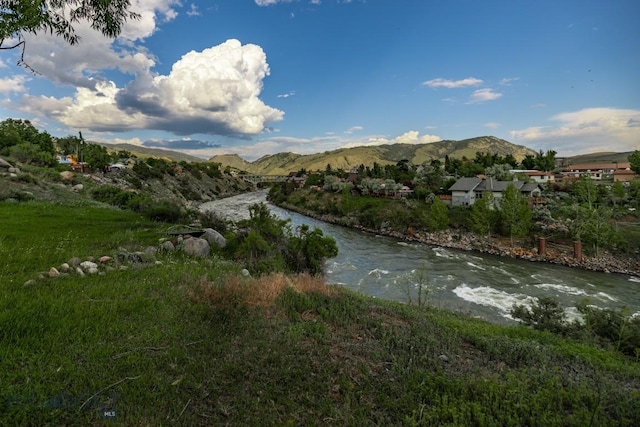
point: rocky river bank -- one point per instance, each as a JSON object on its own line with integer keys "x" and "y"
{"x": 462, "y": 240}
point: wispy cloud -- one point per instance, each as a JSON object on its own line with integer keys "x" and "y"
{"x": 492, "y": 125}
{"x": 193, "y": 10}
{"x": 483, "y": 95}
{"x": 506, "y": 81}
{"x": 353, "y": 129}
{"x": 287, "y": 95}
{"x": 452, "y": 84}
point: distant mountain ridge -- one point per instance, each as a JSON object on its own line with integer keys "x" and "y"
{"x": 144, "y": 152}
{"x": 347, "y": 158}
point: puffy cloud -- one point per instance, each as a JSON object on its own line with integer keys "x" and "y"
{"x": 212, "y": 92}
{"x": 483, "y": 95}
{"x": 452, "y": 84}
{"x": 410, "y": 137}
{"x": 13, "y": 84}
{"x": 589, "y": 129}
{"x": 82, "y": 64}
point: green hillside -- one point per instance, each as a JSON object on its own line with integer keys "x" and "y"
{"x": 347, "y": 158}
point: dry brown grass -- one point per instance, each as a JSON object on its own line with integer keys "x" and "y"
{"x": 237, "y": 291}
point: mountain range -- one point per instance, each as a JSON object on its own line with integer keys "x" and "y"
{"x": 347, "y": 158}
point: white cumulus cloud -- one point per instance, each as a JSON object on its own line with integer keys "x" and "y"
{"x": 13, "y": 84}
{"x": 589, "y": 129}
{"x": 483, "y": 95}
{"x": 410, "y": 137}
{"x": 215, "y": 91}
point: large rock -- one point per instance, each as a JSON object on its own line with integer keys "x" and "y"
{"x": 4, "y": 164}
{"x": 196, "y": 247}
{"x": 167, "y": 246}
{"x": 66, "y": 176}
{"x": 214, "y": 238}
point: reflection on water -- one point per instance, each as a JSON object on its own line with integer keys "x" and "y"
{"x": 481, "y": 285}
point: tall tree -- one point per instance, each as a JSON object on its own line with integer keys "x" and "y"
{"x": 545, "y": 161}
{"x": 634, "y": 160}
{"x": 438, "y": 218}
{"x": 482, "y": 218}
{"x": 515, "y": 215}
{"x": 529, "y": 162}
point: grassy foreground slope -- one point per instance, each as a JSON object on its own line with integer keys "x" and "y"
{"x": 190, "y": 342}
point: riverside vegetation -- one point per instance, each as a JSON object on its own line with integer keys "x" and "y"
{"x": 192, "y": 342}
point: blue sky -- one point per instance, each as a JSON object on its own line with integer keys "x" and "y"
{"x": 257, "y": 77}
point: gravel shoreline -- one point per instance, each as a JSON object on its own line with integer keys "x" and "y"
{"x": 466, "y": 241}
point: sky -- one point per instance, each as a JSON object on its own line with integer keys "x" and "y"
{"x": 259, "y": 77}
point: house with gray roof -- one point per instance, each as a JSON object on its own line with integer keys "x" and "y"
{"x": 466, "y": 191}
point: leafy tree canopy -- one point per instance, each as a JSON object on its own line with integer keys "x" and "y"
{"x": 634, "y": 159}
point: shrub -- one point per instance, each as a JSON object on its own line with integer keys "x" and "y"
{"x": 545, "y": 314}
{"x": 162, "y": 210}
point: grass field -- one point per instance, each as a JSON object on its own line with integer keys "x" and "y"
{"x": 191, "y": 342}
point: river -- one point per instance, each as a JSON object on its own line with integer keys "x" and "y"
{"x": 480, "y": 285}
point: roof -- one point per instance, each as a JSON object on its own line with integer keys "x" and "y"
{"x": 596, "y": 166}
{"x": 465, "y": 184}
{"x": 493, "y": 185}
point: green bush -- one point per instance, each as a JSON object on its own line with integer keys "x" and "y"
{"x": 545, "y": 314}
{"x": 605, "y": 327}
{"x": 163, "y": 211}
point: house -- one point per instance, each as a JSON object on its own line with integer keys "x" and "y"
{"x": 624, "y": 175}
{"x": 466, "y": 191}
{"x": 539, "y": 177}
{"x": 595, "y": 171}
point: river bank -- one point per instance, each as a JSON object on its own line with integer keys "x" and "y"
{"x": 466, "y": 241}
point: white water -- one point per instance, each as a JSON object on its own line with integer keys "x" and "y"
{"x": 481, "y": 285}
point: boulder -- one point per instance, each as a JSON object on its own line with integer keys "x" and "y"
{"x": 104, "y": 259}
{"x": 196, "y": 247}
{"x": 4, "y": 164}
{"x": 66, "y": 176}
{"x": 74, "y": 262}
{"x": 64, "y": 267}
{"x": 88, "y": 266}
{"x": 167, "y": 246}
{"x": 53, "y": 272}
{"x": 214, "y": 238}
{"x": 14, "y": 170}
{"x": 78, "y": 187}
{"x": 150, "y": 253}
